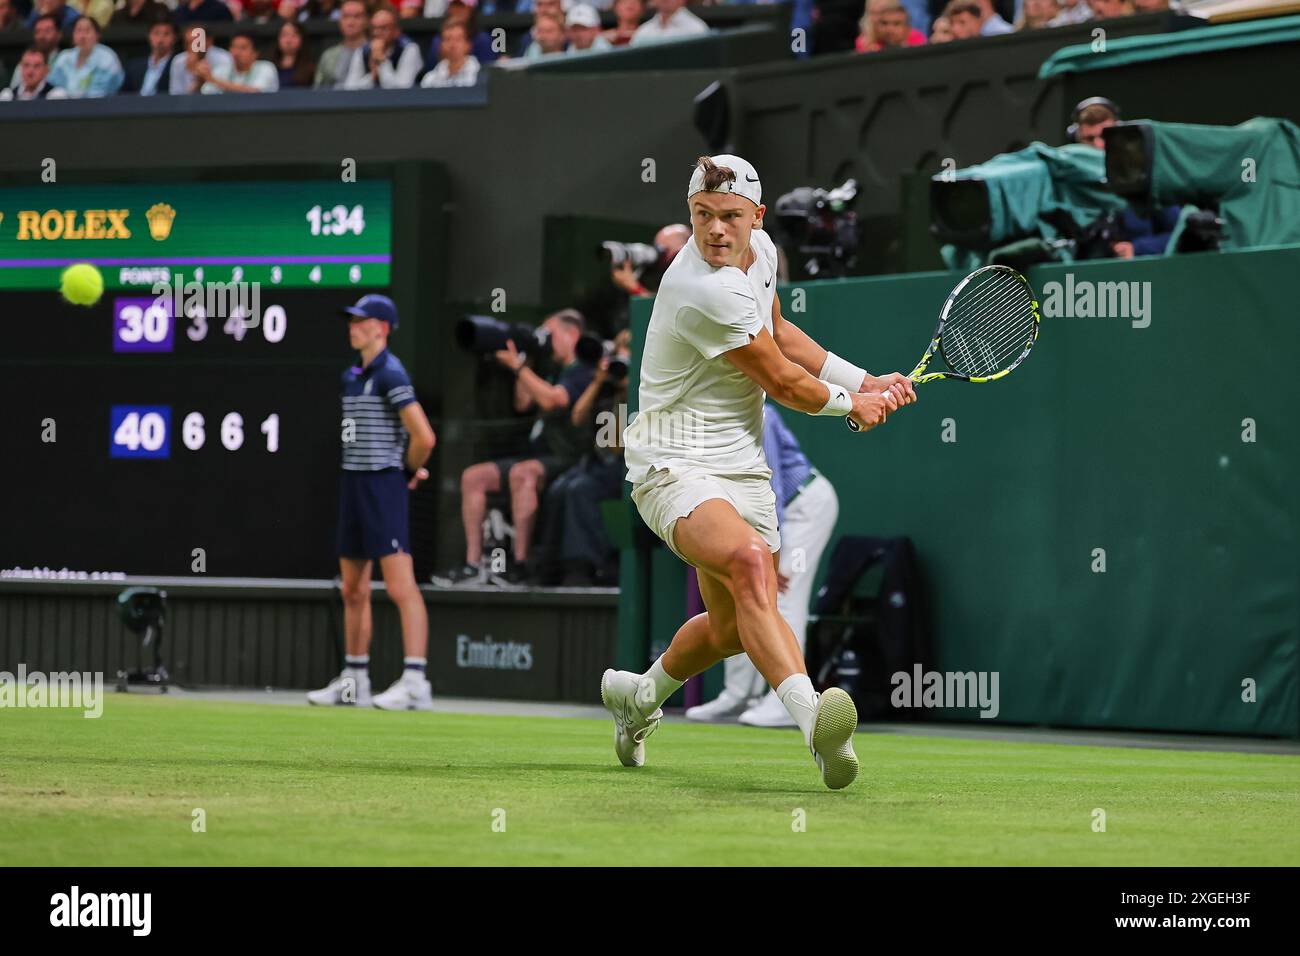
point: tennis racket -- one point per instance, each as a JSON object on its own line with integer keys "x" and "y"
{"x": 986, "y": 328}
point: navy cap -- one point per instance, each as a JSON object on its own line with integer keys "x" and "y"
{"x": 374, "y": 307}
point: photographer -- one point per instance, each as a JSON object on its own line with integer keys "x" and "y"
{"x": 631, "y": 274}
{"x": 574, "y": 532}
{"x": 554, "y": 445}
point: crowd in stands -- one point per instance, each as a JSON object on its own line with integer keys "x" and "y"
{"x": 372, "y": 50}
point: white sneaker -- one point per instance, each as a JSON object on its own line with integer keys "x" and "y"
{"x": 768, "y": 712}
{"x": 834, "y": 720}
{"x": 351, "y": 688}
{"x": 726, "y": 706}
{"x": 407, "y": 693}
{"x": 624, "y": 694}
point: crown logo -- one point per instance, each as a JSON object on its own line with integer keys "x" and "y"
{"x": 160, "y": 216}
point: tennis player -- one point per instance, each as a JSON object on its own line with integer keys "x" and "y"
{"x": 380, "y": 469}
{"x": 715, "y": 344}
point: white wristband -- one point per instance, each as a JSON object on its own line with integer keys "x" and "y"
{"x": 841, "y": 372}
{"x": 840, "y": 401}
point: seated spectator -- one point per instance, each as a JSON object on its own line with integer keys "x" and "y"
{"x": 628, "y": 14}
{"x": 32, "y": 80}
{"x": 991, "y": 22}
{"x": 1110, "y": 9}
{"x": 886, "y": 24}
{"x": 672, "y": 21}
{"x": 573, "y": 535}
{"x": 101, "y": 11}
{"x": 139, "y": 13}
{"x": 582, "y": 24}
{"x": 548, "y": 36}
{"x": 337, "y": 61}
{"x": 9, "y": 19}
{"x": 1072, "y": 11}
{"x": 150, "y": 75}
{"x": 89, "y": 69}
{"x": 554, "y": 445}
{"x": 64, "y": 14}
{"x": 964, "y": 18}
{"x": 552, "y": 8}
{"x": 202, "y": 11}
{"x": 480, "y": 44}
{"x": 321, "y": 10}
{"x": 941, "y": 30}
{"x": 244, "y": 74}
{"x": 391, "y": 61}
{"x": 458, "y": 67}
{"x": 195, "y": 52}
{"x": 294, "y": 64}
{"x": 1037, "y": 14}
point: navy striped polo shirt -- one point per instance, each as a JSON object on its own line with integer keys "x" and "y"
{"x": 372, "y": 397}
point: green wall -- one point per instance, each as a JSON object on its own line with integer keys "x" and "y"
{"x": 1113, "y": 437}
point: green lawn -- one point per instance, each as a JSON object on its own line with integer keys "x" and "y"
{"x": 291, "y": 785}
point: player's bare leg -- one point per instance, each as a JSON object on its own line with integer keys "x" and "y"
{"x": 411, "y": 691}
{"x": 352, "y": 686}
{"x": 738, "y": 584}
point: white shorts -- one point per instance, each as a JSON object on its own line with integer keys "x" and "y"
{"x": 666, "y": 496}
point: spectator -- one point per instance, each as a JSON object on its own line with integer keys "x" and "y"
{"x": 1072, "y": 11}
{"x": 1036, "y": 14}
{"x": 392, "y": 61}
{"x": 548, "y": 36}
{"x": 336, "y": 63}
{"x": 101, "y": 11}
{"x": 672, "y": 21}
{"x": 941, "y": 30}
{"x": 244, "y": 74}
{"x": 89, "y": 69}
{"x": 47, "y": 35}
{"x": 138, "y": 13}
{"x": 552, "y": 448}
{"x": 1110, "y": 9}
{"x": 480, "y": 44}
{"x": 202, "y": 11}
{"x": 886, "y": 24}
{"x": 627, "y": 14}
{"x": 964, "y": 18}
{"x": 552, "y": 8}
{"x": 150, "y": 75}
{"x": 194, "y": 54}
{"x": 259, "y": 11}
{"x": 9, "y": 19}
{"x": 294, "y": 63}
{"x": 32, "y": 80}
{"x": 458, "y": 67}
{"x": 64, "y": 14}
{"x": 321, "y": 10}
{"x": 574, "y": 531}
{"x": 991, "y": 22}
{"x": 583, "y": 28}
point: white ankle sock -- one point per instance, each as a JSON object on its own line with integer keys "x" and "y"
{"x": 797, "y": 694}
{"x": 665, "y": 684}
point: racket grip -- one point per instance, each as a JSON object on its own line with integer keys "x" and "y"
{"x": 853, "y": 426}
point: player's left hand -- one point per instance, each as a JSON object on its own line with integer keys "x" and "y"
{"x": 902, "y": 387}
{"x": 421, "y": 474}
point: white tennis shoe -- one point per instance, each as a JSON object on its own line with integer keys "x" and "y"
{"x": 351, "y": 688}
{"x": 406, "y": 693}
{"x": 834, "y": 720}
{"x": 626, "y": 696}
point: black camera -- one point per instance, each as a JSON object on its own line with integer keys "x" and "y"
{"x": 821, "y": 228}
{"x": 483, "y": 335}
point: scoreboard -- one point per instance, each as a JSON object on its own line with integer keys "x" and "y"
{"x": 189, "y": 422}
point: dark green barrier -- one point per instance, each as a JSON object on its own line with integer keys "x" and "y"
{"x": 1110, "y": 437}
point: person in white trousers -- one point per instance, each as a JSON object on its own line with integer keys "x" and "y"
{"x": 807, "y": 509}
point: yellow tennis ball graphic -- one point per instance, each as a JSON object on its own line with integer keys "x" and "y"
{"x": 81, "y": 284}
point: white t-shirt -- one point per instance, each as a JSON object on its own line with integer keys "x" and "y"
{"x": 683, "y": 23}
{"x": 697, "y": 410}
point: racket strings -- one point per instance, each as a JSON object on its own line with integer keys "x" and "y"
{"x": 988, "y": 326}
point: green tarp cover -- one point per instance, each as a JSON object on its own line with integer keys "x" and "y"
{"x": 1141, "y": 49}
{"x": 1029, "y": 182}
{"x": 1251, "y": 170}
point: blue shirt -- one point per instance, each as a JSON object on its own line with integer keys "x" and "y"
{"x": 790, "y": 467}
{"x": 372, "y": 397}
{"x": 100, "y": 75}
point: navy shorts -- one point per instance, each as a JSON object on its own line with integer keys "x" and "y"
{"x": 373, "y": 514}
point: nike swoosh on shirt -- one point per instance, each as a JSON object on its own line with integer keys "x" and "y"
{"x": 768, "y": 283}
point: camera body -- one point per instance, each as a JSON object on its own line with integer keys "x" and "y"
{"x": 821, "y": 228}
